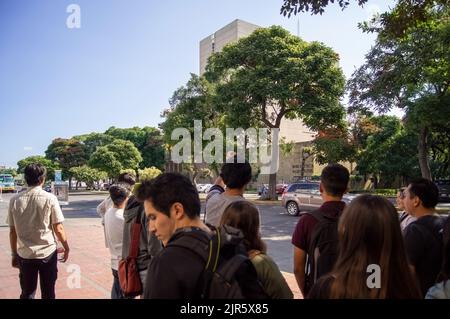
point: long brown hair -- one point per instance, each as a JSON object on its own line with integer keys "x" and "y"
{"x": 244, "y": 215}
{"x": 369, "y": 233}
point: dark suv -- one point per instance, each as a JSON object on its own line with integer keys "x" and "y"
{"x": 444, "y": 189}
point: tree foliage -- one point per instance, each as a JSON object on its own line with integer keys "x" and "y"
{"x": 271, "y": 75}
{"x": 67, "y": 153}
{"x": 48, "y": 164}
{"x": 413, "y": 73}
{"x": 88, "y": 175}
{"x": 386, "y": 150}
{"x": 11, "y": 171}
{"x": 407, "y": 13}
{"x": 149, "y": 173}
{"x": 93, "y": 140}
{"x": 115, "y": 157}
{"x": 333, "y": 145}
{"x": 148, "y": 141}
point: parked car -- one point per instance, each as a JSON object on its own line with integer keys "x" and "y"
{"x": 203, "y": 188}
{"x": 444, "y": 189}
{"x": 280, "y": 188}
{"x": 305, "y": 194}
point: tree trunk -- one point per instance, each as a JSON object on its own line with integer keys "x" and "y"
{"x": 70, "y": 183}
{"x": 302, "y": 170}
{"x": 272, "y": 187}
{"x": 137, "y": 174}
{"x": 423, "y": 154}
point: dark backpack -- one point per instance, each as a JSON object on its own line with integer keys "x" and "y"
{"x": 323, "y": 248}
{"x": 229, "y": 273}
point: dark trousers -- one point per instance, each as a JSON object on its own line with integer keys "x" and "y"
{"x": 116, "y": 292}
{"x": 48, "y": 272}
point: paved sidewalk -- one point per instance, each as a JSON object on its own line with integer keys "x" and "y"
{"x": 88, "y": 254}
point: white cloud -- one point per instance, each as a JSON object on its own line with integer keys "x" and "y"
{"x": 27, "y": 148}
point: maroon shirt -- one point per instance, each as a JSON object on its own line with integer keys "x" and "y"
{"x": 305, "y": 226}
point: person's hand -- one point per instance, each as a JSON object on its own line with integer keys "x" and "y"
{"x": 61, "y": 250}
{"x": 15, "y": 262}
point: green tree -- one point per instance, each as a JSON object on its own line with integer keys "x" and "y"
{"x": 49, "y": 165}
{"x": 333, "y": 145}
{"x": 115, "y": 157}
{"x": 149, "y": 173}
{"x": 271, "y": 75}
{"x": 11, "y": 171}
{"x": 88, "y": 175}
{"x": 388, "y": 152}
{"x": 67, "y": 153}
{"x": 148, "y": 141}
{"x": 93, "y": 140}
{"x": 191, "y": 102}
{"x": 407, "y": 13}
{"x": 411, "y": 73}
{"x": 105, "y": 160}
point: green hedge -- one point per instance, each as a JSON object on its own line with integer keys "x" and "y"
{"x": 381, "y": 191}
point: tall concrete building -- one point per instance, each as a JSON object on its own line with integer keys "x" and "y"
{"x": 228, "y": 34}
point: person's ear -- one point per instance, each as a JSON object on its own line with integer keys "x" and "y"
{"x": 321, "y": 188}
{"x": 177, "y": 210}
{"x": 416, "y": 201}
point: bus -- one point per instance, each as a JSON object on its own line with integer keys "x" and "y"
{"x": 7, "y": 183}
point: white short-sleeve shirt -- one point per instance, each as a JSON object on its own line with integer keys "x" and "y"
{"x": 33, "y": 214}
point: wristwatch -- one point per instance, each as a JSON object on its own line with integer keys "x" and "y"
{"x": 13, "y": 254}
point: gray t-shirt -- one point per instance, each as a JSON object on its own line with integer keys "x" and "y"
{"x": 216, "y": 202}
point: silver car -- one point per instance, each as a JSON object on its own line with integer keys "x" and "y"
{"x": 304, "y": 194}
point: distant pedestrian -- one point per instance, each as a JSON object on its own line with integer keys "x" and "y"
{"x": 114, "y": 233}
{"x": 229, "y": 187}
{"x": 124, "y": 180}
{"x": 370, "y": 244}
{"x": 404, "y": 218}
{"x": 423, "y": 237}
{"x": 244, "y": 216}
{"x": 35, "y": 219}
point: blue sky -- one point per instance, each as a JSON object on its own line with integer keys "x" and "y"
{"x": 123, "y": 64}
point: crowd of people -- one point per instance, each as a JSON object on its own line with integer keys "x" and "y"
{"x": 162, "y": 249}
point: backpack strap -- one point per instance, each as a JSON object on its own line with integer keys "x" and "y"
{"x": 135, "y": 236}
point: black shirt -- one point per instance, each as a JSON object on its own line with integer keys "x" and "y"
{"x": 175, "y": 272}
{"x": 424, "y": 244}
